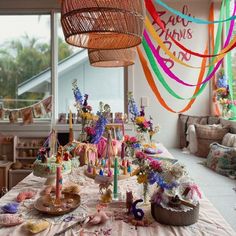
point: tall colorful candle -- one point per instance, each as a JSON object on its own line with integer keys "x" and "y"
{"x": 115, "y": 185}
{"x": 58, "y": 183}
{"x": 70, "y": 120}
{"x": 122, "y": 150}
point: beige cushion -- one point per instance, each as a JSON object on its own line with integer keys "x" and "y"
{"x": 207, "y": 134}
{"x": 229, "y": 140}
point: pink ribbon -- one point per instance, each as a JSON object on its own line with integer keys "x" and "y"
{"x": 171, "y": 74}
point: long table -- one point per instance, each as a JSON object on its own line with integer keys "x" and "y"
{"x": 210, "y": 221}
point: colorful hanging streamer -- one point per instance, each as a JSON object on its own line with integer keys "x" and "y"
{"x": 160, "y": 77}
{"x": 159, "y": 41}
{"x": 193, "y": 19}
{"x": 155, "y": 90}
{"x": 151, "y": 9}
{"x": 171, "y": 74}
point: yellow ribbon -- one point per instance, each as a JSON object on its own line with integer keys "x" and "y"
{"x": 159, "y": 41}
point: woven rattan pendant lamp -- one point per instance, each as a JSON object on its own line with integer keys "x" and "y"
{"x": 112, "y": 58}
{"x": 103, "y": 24}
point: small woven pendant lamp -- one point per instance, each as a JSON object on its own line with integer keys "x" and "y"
{"x": 112, "y": 58}
{"x": 103, "y": 24}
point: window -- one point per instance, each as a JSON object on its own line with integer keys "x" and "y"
{"x": 25, "y": 52}
{"x": 101, "y": 84}
{"x": 26, "y": 72}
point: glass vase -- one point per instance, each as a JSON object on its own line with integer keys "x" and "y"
{"x": 143, "y": 138}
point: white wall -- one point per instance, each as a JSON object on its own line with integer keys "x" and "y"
{"x": 101, "y": 84}
{"x": 168, "y": 121}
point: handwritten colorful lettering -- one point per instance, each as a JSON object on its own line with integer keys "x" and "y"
{"x": 180, "y": 33}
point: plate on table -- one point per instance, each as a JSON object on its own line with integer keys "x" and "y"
{"x": 47, "y": 204}
{"x": 172, "y": 161}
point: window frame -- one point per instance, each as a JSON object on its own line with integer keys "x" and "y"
{"x": 15, "y": 8}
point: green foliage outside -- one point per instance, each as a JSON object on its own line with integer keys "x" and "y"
{"x": 21, "y": 59}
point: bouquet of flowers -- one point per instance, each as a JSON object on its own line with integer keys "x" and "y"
{"x": 142, "y": 125}
{"x": 93, "y": 126}
{"x": 170, "y": 179}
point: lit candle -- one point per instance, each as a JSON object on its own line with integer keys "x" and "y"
{"x": 58, "y": 183}
{"x": 115, "y": 186}
{"x": 70, "y": 120}
{"x": 122, "y": 150}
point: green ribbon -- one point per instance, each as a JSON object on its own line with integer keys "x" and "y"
{"x": 159, "y": 74}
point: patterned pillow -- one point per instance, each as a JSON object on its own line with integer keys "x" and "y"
{"x": 221, "y": 159}
{"x": 207, "y": 134}
{"x": 229, "y": 140}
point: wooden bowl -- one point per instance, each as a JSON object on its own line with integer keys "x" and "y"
{"x": 46, "y": 204}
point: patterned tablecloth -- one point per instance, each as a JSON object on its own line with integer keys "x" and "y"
{"x": 210, "y": 221}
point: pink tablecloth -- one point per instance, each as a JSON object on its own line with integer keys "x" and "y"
{"x": 210, "y": 222}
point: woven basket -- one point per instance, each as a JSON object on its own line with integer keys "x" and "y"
{"x": 169, "y": 217}
{"x": 103, "y": 24}
{"x": 112, "y": 58}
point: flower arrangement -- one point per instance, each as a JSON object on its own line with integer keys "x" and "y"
{"x": 169, "y": 178}
{"x": 142, "y": 125}
{"x": 131, "y": 141}
{"x": 93, "y": 126}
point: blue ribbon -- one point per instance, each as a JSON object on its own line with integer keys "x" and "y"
{"x": 189, "y": 18}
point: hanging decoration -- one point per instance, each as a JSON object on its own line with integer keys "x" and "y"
{"x": 102, "y": 24}
{"x": 156, "y": 18}
{"x": 171, "y": 74}
{"x": 193, "y": 19}
{"x": 159, "y": 41}
{"x": 155, "y": 90}
{"x": 229, "y": 71}
{"x": 112, "y": 58}
{"x": 160, "y": 77}
{"x": 28, "y": 113}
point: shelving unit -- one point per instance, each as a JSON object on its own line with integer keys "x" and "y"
{"x": 25, "y": 151}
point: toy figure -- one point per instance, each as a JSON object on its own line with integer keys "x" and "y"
{"x": 129, "y": 201}
{"x": 107, "y": 197}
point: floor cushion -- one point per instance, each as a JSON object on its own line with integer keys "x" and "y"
{"x": 221, "y": 159}
{"x": 207, "y": 134}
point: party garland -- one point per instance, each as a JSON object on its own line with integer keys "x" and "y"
{"x": 171, "y": 74}
{"x": 161, "y": 77}
{"x": 37, "y": 110}
{"x": 159, "y": 41}
{"x": 151, "y": 9}
{"x": 193, "y": 19}
{"x": 229, "y": 69}
{"x": 155, "y": 90}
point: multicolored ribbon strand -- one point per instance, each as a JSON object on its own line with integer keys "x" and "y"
{"x": 171, "y": 74}
{"x": 160, "y": 77}
{"x": 193, "y": 19}
{"x": 155, "y": 90}
{"x": 151, "y": 9}
{"x": 159, "y": 41}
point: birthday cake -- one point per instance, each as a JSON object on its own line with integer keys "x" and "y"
{"x": 49, "y": 168}
{"x": 45, "y": 166}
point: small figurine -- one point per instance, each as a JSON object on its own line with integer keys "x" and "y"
{"x": 99, "y": 217}
{"x": 66, "y": 156}
{"x": 94, "y": 171}
{"x": 109, "y": 174}
{"x": 125, "y": 170}
{"x": 129, "y": 201}
{"x": 59, "y": 155}
{"x": 101, "y": 172}
{"x": 107, "y": 197}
